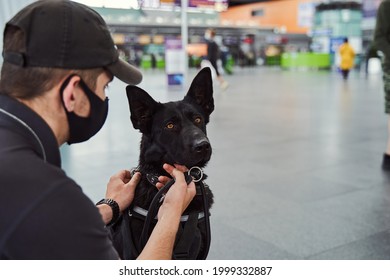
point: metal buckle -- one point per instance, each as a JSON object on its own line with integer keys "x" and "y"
{"x": 196, "y": 173}
{"x": 133, "y": 170}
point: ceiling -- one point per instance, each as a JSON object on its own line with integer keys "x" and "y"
{"x": 233, "y": 3}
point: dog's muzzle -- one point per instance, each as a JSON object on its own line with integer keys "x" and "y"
{"x": 201, "y": 147}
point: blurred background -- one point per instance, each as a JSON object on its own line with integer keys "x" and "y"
{"x": 296, "y": 149}
{"x": 285, "y": 33}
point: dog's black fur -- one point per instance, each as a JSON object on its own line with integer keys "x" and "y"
{"x": 174, "y": 133}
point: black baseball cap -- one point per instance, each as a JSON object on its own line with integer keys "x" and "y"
{"x": 69, "y": 35}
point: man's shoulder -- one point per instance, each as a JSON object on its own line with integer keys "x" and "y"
{"x": 65, "y": 224}
{"x": 57, "y": 214}
{"x": 27, "y": 184}
{"x": 24, "y": 189}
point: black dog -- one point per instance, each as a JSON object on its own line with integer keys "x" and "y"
{"x": 174, "y": 133}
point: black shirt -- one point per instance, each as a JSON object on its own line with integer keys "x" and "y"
{"x": 212, "y": 51}
{"x": 43, "y": 213}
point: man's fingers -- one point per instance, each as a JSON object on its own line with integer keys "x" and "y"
{"x": 123, "y": 175}
{"x": 181, "y": 168}
{"x": 162, "y": 181}
{"x": 134, "y": 179}
{"x": 168, "y": 168}
{"x": 174, "y": 172}
{"x": 192, "y": 189}
{"x": 126, "y": 174}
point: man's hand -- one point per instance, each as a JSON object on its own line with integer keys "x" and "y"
{"x": 120, "y": 188}
{"x": 163, "y": 180}
{"x": 180, "y": 194}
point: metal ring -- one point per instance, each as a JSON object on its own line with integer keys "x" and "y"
{"x": 199, "y": 171}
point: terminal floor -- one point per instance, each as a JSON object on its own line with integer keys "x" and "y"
{"x": 296, "y": 164}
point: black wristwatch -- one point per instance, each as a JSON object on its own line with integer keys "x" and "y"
{"x": 114, "y": 207}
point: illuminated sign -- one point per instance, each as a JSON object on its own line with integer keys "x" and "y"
{"x": 216, "y": 5}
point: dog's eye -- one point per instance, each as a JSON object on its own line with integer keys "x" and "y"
{"x": 170, "y": 125}
{"x": 197, "y": 120}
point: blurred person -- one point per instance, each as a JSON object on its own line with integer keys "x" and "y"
{"x": 225, "y": 56}
{"x": 347, "y": 55}
{"x": 371, "y": 52}
{"x": 58, "y": 59}
{"x": 382, "y": 43}
{"x": 213, "y": 54}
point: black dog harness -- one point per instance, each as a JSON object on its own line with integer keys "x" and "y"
{"x": 188, "y": 240}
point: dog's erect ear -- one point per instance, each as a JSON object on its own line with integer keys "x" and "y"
{"x": 142, "y": 107}
{"x": 201, "y": 91}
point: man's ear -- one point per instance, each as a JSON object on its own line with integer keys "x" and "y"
{"x": 68, "y": 92}
{"x": 201, "y": 91}
{"x": 142, "y": 107}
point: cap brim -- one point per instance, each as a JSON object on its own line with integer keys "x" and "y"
{"x": 125, "y": 72}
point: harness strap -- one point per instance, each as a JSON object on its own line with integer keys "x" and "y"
{"x": 189, "y": 241}
{"x": 143, "y": 212}
{"x": 130, "y": 248}
{"x": 152, "y": 213}
{"x": 207, "y": 222}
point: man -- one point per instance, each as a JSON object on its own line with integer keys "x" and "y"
{"x": 382, "y": 43}
{"x": 213, "y": 54}
{"x": 58, "y": 59}
{"x": 347, "y": 55}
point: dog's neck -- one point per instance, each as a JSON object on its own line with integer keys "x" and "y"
{"x": 147, "y": 187}
{"x": 151, "y": 168}
{"x": 150, "y": 173}
{"x": 150, "y": 165}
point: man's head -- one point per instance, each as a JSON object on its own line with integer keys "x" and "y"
{"x": 61, "y": 53}
{"x": 210, "y": 33}
{"x": 61, "y": 35}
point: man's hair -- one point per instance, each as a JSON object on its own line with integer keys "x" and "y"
{"x": 30, "y": 82}
{"x": 212, "y": 32}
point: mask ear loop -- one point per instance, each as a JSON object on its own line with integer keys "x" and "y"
{"x": 89, "y": 92}
{"x": 63, "y": 86}
{"x": 66, "y": 82}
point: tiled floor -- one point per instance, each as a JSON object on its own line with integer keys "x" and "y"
{"x": 295, "y": 167}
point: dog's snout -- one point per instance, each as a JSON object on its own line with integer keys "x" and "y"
{"x": 201, "y": 146}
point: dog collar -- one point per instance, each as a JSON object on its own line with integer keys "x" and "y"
{"x": 152, "y": 178}
{"x": 195, "y": 172}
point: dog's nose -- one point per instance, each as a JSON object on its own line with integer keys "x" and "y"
{"x": 201, "y": 146}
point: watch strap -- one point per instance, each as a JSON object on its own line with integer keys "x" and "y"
{"x": 114, "y": 207}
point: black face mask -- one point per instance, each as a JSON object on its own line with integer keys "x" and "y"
{"x": 83, "y": 128}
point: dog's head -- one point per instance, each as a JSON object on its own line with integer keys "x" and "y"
{"x": 174, "y": 132}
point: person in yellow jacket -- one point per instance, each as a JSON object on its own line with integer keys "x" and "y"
{"x": 347, "y": 54}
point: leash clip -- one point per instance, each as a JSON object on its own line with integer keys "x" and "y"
{"x": 196, "y": 173}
